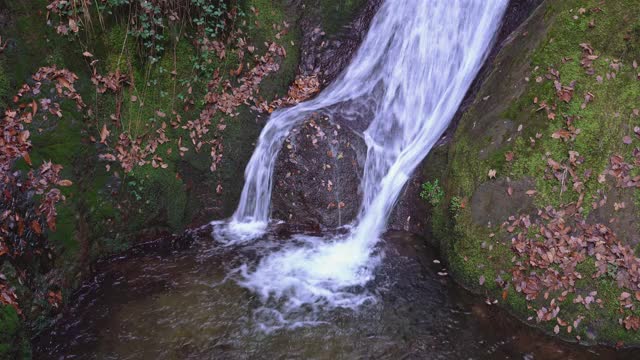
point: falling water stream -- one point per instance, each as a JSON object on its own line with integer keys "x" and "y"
{"x": 414, "y": 68}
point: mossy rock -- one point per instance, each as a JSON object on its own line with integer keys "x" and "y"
{"x": 507, "y": 130}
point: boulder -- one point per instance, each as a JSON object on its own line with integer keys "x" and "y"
{"x": 317, "y": 175}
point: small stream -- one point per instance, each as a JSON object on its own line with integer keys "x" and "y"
{"x": 184, "y": 305}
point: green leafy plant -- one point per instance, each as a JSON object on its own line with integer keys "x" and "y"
{"x": 432, "y": 192}
{"x": 456, "y": 205}
{"x": 211, "y": 16}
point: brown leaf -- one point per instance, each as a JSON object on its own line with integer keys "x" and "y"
{"x": 509, "y": 156}
{"x": 104, "y": 133}
{"x": 35, "y": 226}
{"x": 561, "y": 134}
{"x": 65, "y": 183}
{"x": 27, "y": 158}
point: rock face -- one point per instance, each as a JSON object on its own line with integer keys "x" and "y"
{"x": 328, "y": 56}
{"x": 497, "y": 200}
{"x": 317, "y": 175}
{"x": 553, "y": 119}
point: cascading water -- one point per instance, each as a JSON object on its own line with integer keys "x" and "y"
{"x": 414, "y": 67}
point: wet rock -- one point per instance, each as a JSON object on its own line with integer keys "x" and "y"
{"x": 327, "y": 55}
{"x": 317, "y": 175}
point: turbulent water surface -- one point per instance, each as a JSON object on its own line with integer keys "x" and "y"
{"x": 184, "y": 306}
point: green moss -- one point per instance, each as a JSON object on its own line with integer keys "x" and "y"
{"x": 482, "y": 256}
{"x": 120, "y": 49}
{"x": 160, "y": 197}
{"x": 337, "y": 13}
{"x": 13, "y": 341}
{"x": 61, "y": 143}
{"x": 5, "y": 87}
{"x": 156, "y": 87}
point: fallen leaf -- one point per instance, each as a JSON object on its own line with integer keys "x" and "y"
{"x": 35, "y": 226}
{"x": 65, "y": 183}
{"x": 104, "y": 133}
{"x": 509, "y": 156}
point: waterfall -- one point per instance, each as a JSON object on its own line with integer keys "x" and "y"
{"x": 414, "y": 67}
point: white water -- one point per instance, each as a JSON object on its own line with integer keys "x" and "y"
{"x": 414, "y": 68}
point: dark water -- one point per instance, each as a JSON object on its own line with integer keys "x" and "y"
{"x": 179, "y": 306}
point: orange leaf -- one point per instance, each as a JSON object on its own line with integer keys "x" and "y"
{"x": 35, "y": 226}
{"x": 103, "y": 134}
{"x": 51, "y": 223}
{"x": 65, "y": 183}
{"x": 27, "y": 158}
{"x": 20, "y": 227}
{"x": 64, "y": 83}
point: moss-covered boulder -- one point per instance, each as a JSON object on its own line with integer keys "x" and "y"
{"x": 541, "y": 187}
